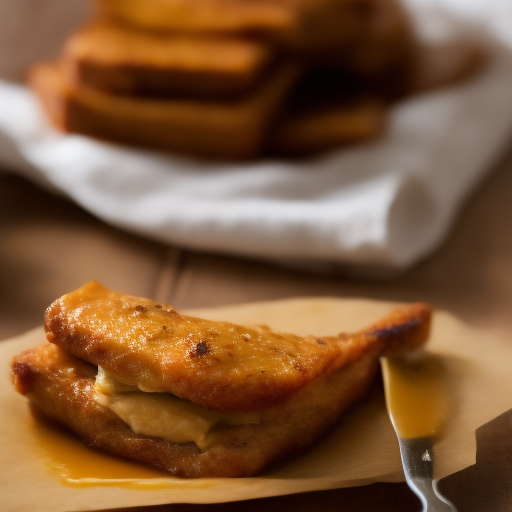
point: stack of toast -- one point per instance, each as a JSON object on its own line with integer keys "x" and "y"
{"x": 231, "y": 79}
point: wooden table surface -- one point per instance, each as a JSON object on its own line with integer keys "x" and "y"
{"x": 49, "y": 246}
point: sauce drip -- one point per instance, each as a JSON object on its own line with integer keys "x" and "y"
{"x": 76, "y": 465}
{"x": 416, "y": 395}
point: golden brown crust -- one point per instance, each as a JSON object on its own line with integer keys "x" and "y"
{"x": 403, "y": 330}
{"x": 125, "y": 61}
{"x": 261, "y": 17}
{"x": 62, "y": 386}
{"x": 231, "y": 129}
{"x": 219, "y": 365}
{"x": 365, "y": 36}
{"x": 312, "y": 130}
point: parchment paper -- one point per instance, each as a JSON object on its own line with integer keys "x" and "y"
{"x": 362, "y": 449}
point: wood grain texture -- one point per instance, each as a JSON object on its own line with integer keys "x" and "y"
{"x": 49, "y": 246}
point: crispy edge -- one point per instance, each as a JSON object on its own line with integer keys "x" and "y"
{"x": 403, "y": 330}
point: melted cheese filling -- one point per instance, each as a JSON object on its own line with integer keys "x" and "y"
{"x": 163, "y": 415}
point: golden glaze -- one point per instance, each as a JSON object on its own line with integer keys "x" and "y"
{"x": 219, "y": 365}
{"x": 416, "y": 395}
{"x": 76, "y": 465}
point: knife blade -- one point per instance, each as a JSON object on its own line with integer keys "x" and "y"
{"x": 417, "y": 403}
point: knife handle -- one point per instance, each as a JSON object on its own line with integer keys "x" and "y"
{"x": 418, "y": 462}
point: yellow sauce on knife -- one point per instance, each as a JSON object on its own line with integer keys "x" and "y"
{"x": 416, "y": 395}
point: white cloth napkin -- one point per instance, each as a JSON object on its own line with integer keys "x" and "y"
{"x": 376, "y": 208}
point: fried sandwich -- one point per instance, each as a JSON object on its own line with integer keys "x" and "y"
{"x": 195, "y": 397}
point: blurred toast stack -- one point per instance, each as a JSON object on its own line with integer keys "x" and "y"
{"x": 231, "y": 79}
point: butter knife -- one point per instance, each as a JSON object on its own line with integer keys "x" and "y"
{"x": 416, "y": 401}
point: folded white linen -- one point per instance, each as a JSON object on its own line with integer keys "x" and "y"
{"x": 375, "y": 208}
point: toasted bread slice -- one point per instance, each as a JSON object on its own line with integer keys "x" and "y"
{"x": 215, "y": 366}
{"x": 325, "y": 127}
{"x": 230, "y": 130}
{"x": 368, "y": 37}
{"x": 211, "y": 16}
{"x": 327, "y": 109}
{"x": 121, "y": 60}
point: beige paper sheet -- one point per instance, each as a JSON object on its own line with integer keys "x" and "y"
{"x": 362, "y": 449}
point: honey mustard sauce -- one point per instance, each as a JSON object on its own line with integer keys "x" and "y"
{"x": 417, "y": 401}
{"x": 77, "y": 465}
{"x": 416, "y": 394}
